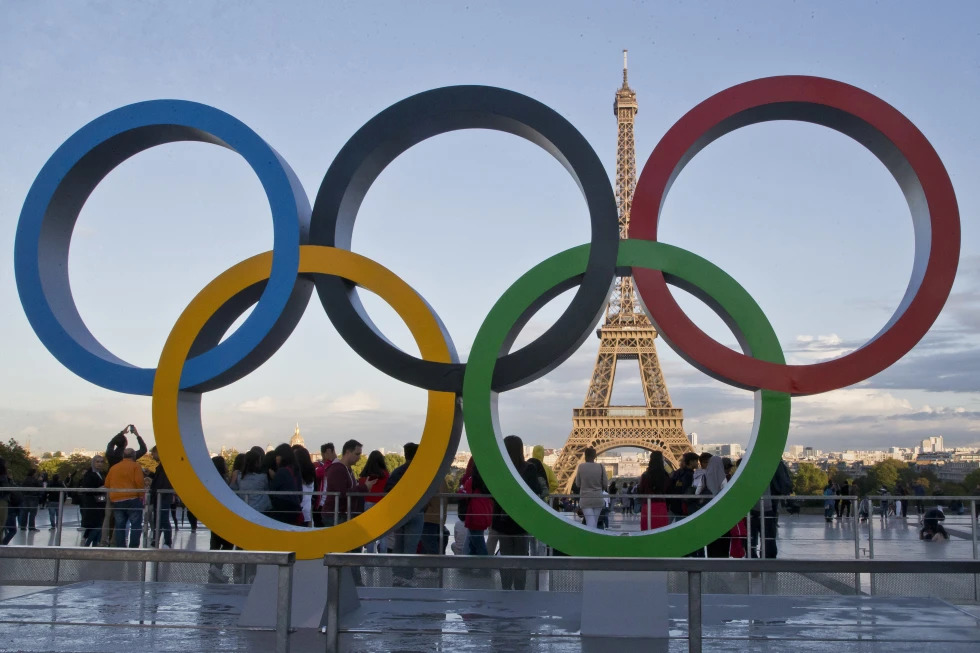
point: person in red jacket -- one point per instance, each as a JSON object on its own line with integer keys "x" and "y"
{"x": 375, "y": 469}
{"x": 479, "y": 513}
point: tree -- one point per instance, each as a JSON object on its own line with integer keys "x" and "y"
{"x": 837, "y": 475}
{"x": 393, "y": 461}
{"x": 229, "y": 456}
{"x": 17, "y": 458}
{"x": 885, "y": 474}
{"x": 972, "y": 482}
{"x": 148, "y": 464}
{"x": 809, "y": 479}
{"x": 68, "y": 469}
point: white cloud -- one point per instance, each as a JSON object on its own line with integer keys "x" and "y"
{"x": 354, "y": 402}
{"x": 261, "y": 405}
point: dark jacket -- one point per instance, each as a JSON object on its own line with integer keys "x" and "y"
{"x": 681, "y": 482}
{"x": 31, "y": 499}
{"x": 340, "y": 478}
{"x": 161, "y": 482}
{"x": 286, "y": 508}
{"x": 92, "y": 504}
{"x": 117, "y": 446}
{"x": 502, "y": 522}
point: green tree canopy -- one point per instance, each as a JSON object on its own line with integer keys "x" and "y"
{"x": 885, "y": 474}
{"x": 972, "y": 482}
{"x": 68, "y": 469}
{"x": 809, "y": 479}
{"x": 17, "y": 458}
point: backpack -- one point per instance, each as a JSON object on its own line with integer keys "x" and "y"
{"x": 782, "y": 482}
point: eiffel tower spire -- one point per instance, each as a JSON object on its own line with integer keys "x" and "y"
{"x": 626, "y": 334}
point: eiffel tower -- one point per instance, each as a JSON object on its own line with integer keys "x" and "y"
{"x": 626, "y": 334}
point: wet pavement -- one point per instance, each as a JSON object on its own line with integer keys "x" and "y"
{"x": 106, "y": 617}
{"x": 103, "y": 609}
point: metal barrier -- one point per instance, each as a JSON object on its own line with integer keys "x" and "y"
{"x": 284, "y": 561}
{"x": 693, "y": 567}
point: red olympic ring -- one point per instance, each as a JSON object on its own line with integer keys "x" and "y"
{"x": 884, "y": 131}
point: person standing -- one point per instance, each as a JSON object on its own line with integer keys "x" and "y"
{"x": 287, "y": 508}
{"x": 682, "y": 482}
{"x": 126, "y": 488}
{"x": 409, "y": 534}
{"x": 327, "y": 456}
{"x": 307, "y": 477}
{"x": 375, "y": 469}
{"x": 161, "y": 499}
{"x": 113, "y": 454}
{"x": 514, "y": 540}
{"x": 55, "y": 488}
{"x": 653, "y": 481}
{"x": 29, "y": 501}
{"x": 92, "y": 504}
{"x": 590, "y": 479}
{"x": 4, "y": 501}
{"x": 340, "y": 481}
{"x": 844, "y": 504}
{"x": 538, "y": 452}
{"x": 253, "y": 484}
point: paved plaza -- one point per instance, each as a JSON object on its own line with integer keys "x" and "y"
{"x": 106, "y": 609}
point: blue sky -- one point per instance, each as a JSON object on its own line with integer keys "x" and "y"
{"x": 809, "y": 222}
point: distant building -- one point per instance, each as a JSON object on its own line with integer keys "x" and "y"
{"x": 732, "y": 450}
{"x": 932, "y": 445}
{"x": 297, "y": 439}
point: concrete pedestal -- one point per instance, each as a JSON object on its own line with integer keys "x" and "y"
{"x": 309, "y": 599}
{"x": 624, "y": 604}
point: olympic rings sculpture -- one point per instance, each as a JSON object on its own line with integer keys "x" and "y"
{"x": 310, "y": 250}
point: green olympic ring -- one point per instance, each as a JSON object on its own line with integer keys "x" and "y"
{"x": 721, "y": 293}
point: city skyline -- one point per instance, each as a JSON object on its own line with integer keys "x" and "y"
{"x": 805, "y": 219}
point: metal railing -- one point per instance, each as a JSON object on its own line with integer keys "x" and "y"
{"x": 283, "y": 560}
{"x": 693, "y": 567}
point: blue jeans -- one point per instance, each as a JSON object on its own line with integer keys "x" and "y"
{"x": 407, "y": 540}
{"x": 53, "y": 515}
{"x": 127, "y": 511}
{"x": 476, "y": 545}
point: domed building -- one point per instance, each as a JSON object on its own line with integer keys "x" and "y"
{"x": 297, "y": 439}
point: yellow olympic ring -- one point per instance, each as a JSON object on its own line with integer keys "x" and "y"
{"x": 210, "y": 498}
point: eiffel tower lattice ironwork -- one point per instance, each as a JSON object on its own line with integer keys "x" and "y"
{"x": 626, "y": 334}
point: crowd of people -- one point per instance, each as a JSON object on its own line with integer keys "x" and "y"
{"x": 122, "y": 504}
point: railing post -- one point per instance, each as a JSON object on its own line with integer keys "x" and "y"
{"x": 284, "y": 604}
{"x": 333, "y": 609}
{"x": 857, "y": 542}
{"x": 694, "y": 611}
{"x": 443, "y": 510}
{"x": 973, "y": 531}
{"x": 57, "y": 532}
{"x": 871, "y": 545}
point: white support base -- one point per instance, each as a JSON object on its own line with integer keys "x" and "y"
{"x": 624, "y": 604}
{"x": 309, "y": 596}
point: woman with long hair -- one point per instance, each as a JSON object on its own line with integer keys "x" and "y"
{"x": 377, "y": 470}
{"x": 286, "y": 508}
{"x": 253, "y": 483}
{"x": 653, "y": 512}
{"x": 307, "y": 474}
